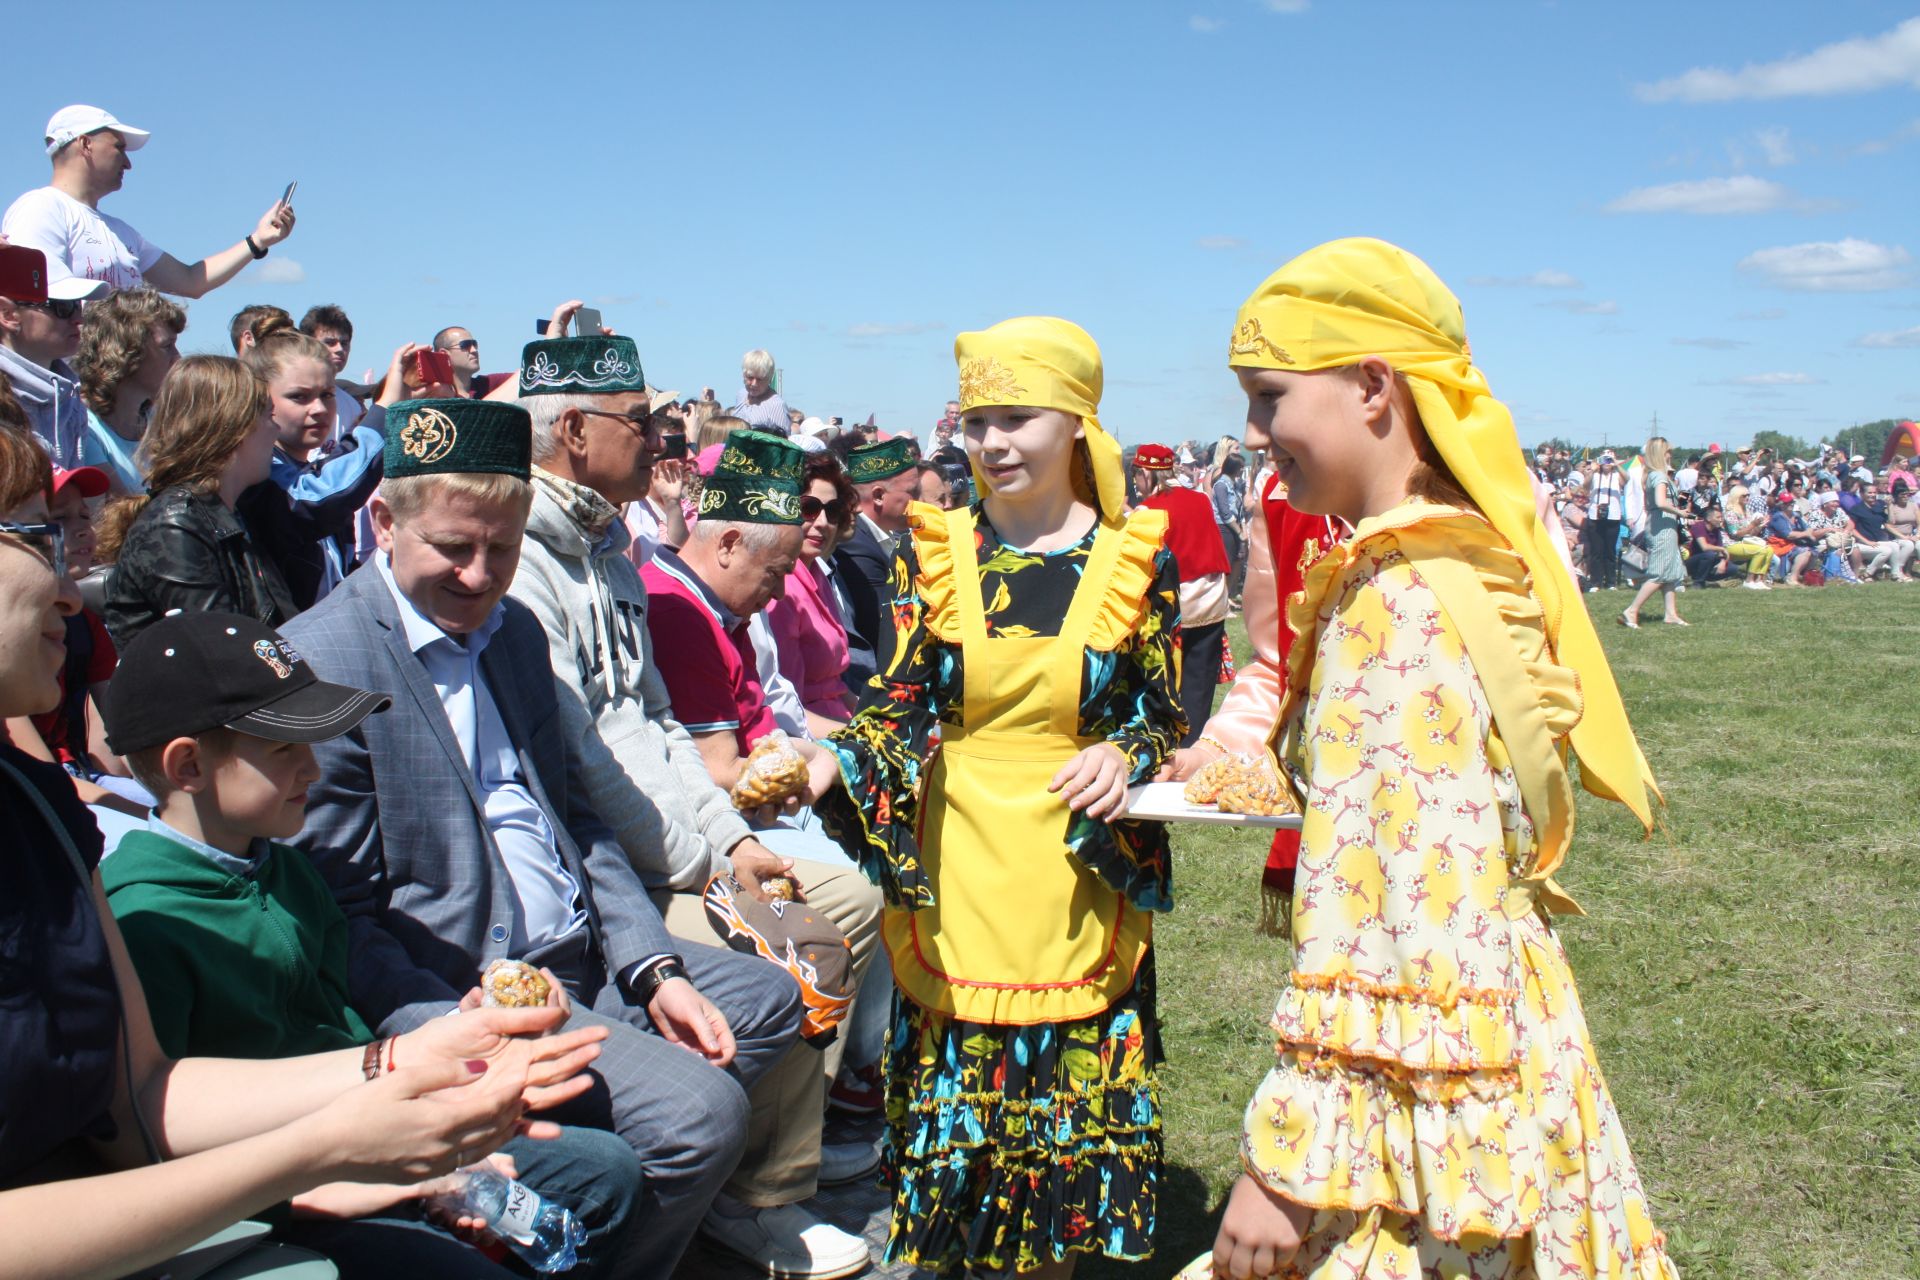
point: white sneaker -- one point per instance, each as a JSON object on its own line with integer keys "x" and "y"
{"x": 1756, "y": 586}
{"x": 788, "y": 1243}
{"x": 842, "y": 1162}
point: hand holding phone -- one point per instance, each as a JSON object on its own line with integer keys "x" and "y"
{"x": 433, "y": 368}
{"x": 286, "y": 197}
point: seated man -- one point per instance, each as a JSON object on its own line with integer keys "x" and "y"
{"x": 241, "y": 949}
{"x": 1707, "y": 557}
{"x": 454, "y": 829}
{"x": 595, "y": 440}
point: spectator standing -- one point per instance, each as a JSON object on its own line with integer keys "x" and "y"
{"x": 89, "y": 149}
{"x": 760, "y": 406}
{"x": 1606, "y": 508}
{"x": 1230, "y": 514}
{"x": 255, "y": 322}
{"x": 131, "y": 341}
{"x": 39, "y": 333}
{"x": 1666, "y": 569}
{"x": 1686, "y": 478}
{"x": 328, "y": 325}
{"x": 1193, "y": 536}
{"x": 182, "y": 545}
{"x": 463, "y": 353}
{"x": 946, "y": 430}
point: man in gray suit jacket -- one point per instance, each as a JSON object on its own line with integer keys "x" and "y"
{"x": 456, "y": 831}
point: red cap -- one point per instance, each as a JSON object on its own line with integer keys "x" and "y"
{"x": 1153, "y": 457}
{"x": 23, "y": 273}
{"x": 91, "y": 481}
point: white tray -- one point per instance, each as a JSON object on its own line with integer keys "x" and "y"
{"x": 1167, "y": 802}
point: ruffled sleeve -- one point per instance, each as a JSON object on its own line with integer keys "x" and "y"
{"x": 1398, "y": 1034}
{"x": 882, "y": 751}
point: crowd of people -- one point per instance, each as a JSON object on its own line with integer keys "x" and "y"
{"x": 1720, "y": 516}
{"x": 323, "y": 699}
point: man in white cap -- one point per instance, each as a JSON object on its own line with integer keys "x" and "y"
{"x": 89, "y": 150}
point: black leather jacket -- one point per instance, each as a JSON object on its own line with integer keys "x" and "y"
{"x": 188, "y": 550}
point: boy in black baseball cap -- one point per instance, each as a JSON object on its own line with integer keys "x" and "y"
{"x": 214, "y": 713}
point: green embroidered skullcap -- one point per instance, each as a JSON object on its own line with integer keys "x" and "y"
{"x": 872, "y": 462}
{"x": 757, "y": 479}
{"x": 580, "y": 367}
{"x": 442, "y": 437}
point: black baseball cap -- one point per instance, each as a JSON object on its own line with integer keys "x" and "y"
{"x": 191, "y": 672}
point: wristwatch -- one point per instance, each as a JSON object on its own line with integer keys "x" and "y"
{"x": 641, "y": 980}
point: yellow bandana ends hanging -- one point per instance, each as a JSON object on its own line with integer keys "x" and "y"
{"x": 1044, "y": 363}
{"x": 1348, "y": 299}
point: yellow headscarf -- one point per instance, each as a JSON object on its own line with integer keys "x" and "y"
{"x": 1044, "y": 363}
{"x": 1348, "y": 299}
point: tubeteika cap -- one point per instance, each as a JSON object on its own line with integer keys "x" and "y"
{"x": 581, "y": 367}
{"x": 756, "y": 479}
{"x": 1153, "y": 457}
{"x": 456, "y": 437}
{"x": 191, "y": 672}
{"x": 871, "y": 462}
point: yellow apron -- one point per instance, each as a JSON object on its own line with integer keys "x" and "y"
{"x": 1019, "y": 931}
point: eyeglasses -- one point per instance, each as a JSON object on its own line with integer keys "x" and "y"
{"x": 48, "y": 541}
{"x": 641, "y": 422}
{"x": 471, "y": 344}
{"x": 811, "y": 507}
{"x": 58, "y": 308}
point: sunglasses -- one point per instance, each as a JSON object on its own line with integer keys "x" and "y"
{"x": 471, "y": 344}
{"x": 811, "y": 507}
{"x": 58, "y": 308}
{"x": 48, "y": 541}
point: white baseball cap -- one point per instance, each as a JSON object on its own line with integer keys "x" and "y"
{"x": 75, "y": 289}
{"x": 73, "y": 122}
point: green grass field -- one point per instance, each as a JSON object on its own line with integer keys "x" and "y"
{"x": 1751, "y": 973}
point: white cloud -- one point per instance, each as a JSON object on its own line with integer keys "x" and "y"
{"x": 1220, "y": 243}
{"x": 1289, "y": 6}
{"x": 1880, "y": 146}
{"x": 279, "y": 271}
{"x": 1860, "y": 65}
{"x": 1204, "y": 25}
{"x": 1764, "y": 313}
{"x": 1546, "y": 278}
{"x": 1775, "y": 145}
{"x": 870, "y": 329}
{"x": 1890, "y": 338}
{"x": 1843, "y": 266}
{"x": 1771, "y": 380}
{"x": 1742, "y": 194}
{"x": 1712, "y": 344}
{"x": 1582, "y": 307}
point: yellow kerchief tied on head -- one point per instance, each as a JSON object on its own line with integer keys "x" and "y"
{"x": 1044, "y": 363}
{"x": 1348, "y": 299}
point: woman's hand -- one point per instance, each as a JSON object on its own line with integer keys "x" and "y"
{"x": 688, "y": 1019}
{"x": 421, "y": 1122}
{"x": 554, "y": 1061}
{"x": 1186, "y": 762}
{"x": 1259, "y": 1233}
{"x": 669, "y": 481}
{"x": 1094, "y": 781}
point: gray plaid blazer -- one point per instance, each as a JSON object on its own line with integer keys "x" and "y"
{"x": 395, "y": 823}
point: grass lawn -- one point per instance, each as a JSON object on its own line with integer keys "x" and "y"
{"x": 1751, "y": 974}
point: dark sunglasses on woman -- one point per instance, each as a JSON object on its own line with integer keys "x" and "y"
{"x": 811, "y": 507}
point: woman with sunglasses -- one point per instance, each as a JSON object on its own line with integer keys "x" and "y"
{"x": 183, "y": 545}
{"x": 808, "y": 634}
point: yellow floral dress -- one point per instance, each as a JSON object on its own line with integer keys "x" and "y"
{"x": 1436, "y": 1096}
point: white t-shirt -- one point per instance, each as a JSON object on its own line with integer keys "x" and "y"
{"x": 79, "y": 241}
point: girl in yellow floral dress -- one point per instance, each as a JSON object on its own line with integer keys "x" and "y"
{"x": 1435, "y": 1108}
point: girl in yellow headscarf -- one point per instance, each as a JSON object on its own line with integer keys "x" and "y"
{"x": 1435, "y": 1107}
{"x": 1036, "y": 634}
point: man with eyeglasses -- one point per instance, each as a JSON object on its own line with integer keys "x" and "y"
{"x": 595, "y": 442}
{"x": 89, "y": 149}
{"x": 39, "y": 333}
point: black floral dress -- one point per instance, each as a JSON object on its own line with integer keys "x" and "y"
{"x": 1016, "y": 1145}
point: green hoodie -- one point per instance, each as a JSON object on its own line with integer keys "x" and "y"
{"x": 232, "y": 966}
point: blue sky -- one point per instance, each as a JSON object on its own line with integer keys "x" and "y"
{"x": 1704, "y": 210}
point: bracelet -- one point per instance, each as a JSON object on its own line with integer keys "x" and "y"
{"x": 1212, "y": 742}
{"x": 370, "y": 1060}
{"x": 254, "y": 249}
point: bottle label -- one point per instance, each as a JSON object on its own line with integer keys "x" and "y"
{"x": 518, "y": 1215}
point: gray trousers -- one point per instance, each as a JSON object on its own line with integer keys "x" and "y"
{"x": 686, "y": 1119}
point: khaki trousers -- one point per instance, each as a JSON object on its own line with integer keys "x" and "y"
{"x": 781, "y": 1164}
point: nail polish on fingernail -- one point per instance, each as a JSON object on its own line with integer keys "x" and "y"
{"x": 476, "y": 1066}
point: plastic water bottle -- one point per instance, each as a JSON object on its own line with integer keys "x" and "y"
{"x": 546, "y": 1236}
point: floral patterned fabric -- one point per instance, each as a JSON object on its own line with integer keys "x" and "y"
{"x": 1015, "y": 1146}
{"x": 1435, "y": 1096}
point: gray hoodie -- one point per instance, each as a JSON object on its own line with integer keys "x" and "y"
{"x": 646, "y": 777}
{"x": 52, "y": 400}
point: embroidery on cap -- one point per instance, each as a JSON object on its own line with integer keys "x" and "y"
{"x": 544, "y": 371}
{"x": 1249, "y": 341}
{"x": 612, "y": 366}
{"x": 428, "y": 435}
{"x": 736, "y": 460}
{"x": 781, "y": 504}
{"x": 267, "y": 652}
{"x": 711, "y": 500}
{"x": 986, "y": 381}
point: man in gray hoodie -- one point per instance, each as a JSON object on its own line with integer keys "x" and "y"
{"x": 39, "y": 332}
{"x": 593, "y": 449}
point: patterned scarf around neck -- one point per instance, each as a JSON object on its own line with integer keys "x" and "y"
{"x": 585, "y": 507}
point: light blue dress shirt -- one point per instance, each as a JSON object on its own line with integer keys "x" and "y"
{"x": 243, "y": 868}
{"x": 548, "y": 897}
